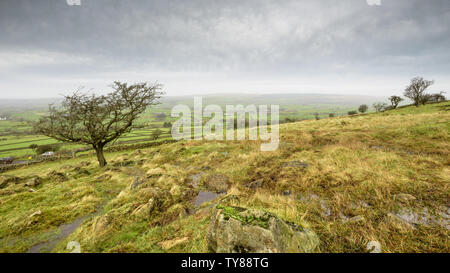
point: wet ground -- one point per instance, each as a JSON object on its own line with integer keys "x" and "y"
{"x": 203, "y": 197}
{"x": 65, "y": 231}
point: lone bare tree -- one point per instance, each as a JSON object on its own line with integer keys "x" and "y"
{"x": 416, "y": 90}
{"x": 99, "y": 120}
{"x": 395, "y": 100}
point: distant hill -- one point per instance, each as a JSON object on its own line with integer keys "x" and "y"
{"x": 20, "y": 105}
{"x": 17, "y": 105}
{"x": 281, "y": 99}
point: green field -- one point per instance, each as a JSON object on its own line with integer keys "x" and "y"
{"x": 16, "y": 134}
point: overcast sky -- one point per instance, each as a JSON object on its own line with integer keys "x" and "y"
{"x": 229, "y": 46}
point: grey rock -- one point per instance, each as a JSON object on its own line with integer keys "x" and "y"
{"x": 420, "y": 217}
{"x": 57, "y": 176}
{"x": 241, "y": 230}
{"x": 33, "y": 182}
{"x": 136, "y": 182}
{"x": 6, "y": 179}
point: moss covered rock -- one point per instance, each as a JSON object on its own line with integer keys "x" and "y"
{"x": 241, "y": 230}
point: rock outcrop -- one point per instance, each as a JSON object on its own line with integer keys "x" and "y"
{"x": 241, "y": 230}
{"x": 33, "y": 182}
{"x": 6, "y": 179}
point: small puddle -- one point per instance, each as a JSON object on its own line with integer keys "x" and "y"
{"x": 65, "y": 231}
{"x": 204, "y": 196}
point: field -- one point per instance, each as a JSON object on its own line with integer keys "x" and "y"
{"x": 380, "y": 177}
{"x": 16, "y": 134}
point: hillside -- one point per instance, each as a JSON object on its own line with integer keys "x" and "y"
{"x": 378, "y": 177}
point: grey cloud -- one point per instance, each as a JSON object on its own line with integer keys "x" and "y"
{"x": 262, "y": 37}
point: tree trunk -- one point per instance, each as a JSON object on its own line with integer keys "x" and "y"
{"x": 100, "y": 156}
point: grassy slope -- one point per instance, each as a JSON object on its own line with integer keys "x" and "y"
{"x": 365, "y": 159}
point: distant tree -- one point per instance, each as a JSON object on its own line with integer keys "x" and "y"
{"x": 395, "y": 100}
{"x": 331, "y": 115}
{"x": 288, "y": 120}
{"x": 351, "y": 113}
{"x": 438, "y": 97}
{"x": 98, "y": 120}
{"x": 161, "y": 116}
{"x": 156, "y": 134}
{"x": 380, "y": 106}
{"x": 416, "y": 90}
{"x": 167, "y": 124}
{"x": 363, "y": 108}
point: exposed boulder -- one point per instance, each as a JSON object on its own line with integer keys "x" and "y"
{"x": 56, "y": 176}
{"x": 157, "y": 200}
{"x": 218, "y": 183}
{"x": 136, "y": 182}
{"x": 6, "y": 179}
{"x": 33, "y": 182}
{"x": 101, "y": 225}
{"x": 241, "y": 230}
{"x": 419, "y": 217}
{"x": 81, "y": 171}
